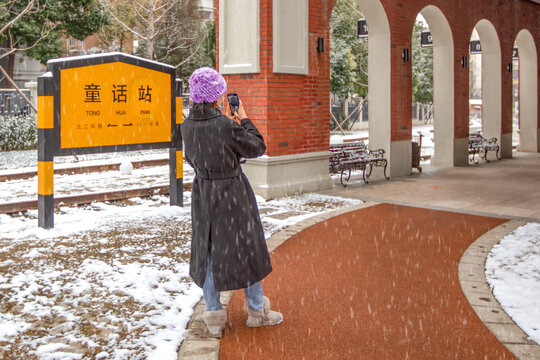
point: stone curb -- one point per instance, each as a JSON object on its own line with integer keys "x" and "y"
{"x": 197, "y": 345}
{"x": 471, "y": 272}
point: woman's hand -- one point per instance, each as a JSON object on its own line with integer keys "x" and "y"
{"x": 227, "y": 112}
{"x": 241, "y": 113}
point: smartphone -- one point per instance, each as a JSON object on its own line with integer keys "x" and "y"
{"x": 234, "y": 102}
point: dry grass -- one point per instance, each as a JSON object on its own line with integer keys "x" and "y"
{"x": 61, "y": 290}
{"x": 103, "y": 319}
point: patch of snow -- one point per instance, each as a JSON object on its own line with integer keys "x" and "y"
{"x": 513, "y": 273}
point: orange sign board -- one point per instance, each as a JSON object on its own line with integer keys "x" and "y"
{"x": 114, "y": 104}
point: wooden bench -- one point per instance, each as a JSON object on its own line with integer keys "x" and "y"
{"x": 355, "y": 156}
{"x": 478, "y": 145}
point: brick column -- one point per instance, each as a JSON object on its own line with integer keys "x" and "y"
{"x": 292, "y": 111}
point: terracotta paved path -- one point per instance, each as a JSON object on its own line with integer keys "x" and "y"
{"x": 378, "y": 283}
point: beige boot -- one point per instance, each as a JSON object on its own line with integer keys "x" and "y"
{"x": 215, "y": 322}
{"x": 263, "y": 317}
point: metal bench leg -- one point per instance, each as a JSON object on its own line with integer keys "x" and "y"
{"x": 364, "y": 175}
{"x": 341, "y": 179}
{"x": 475, "y": 161}
{"x": 485, "y": 154}
{"x": 385, "y": 165}
{"x": 370, "y": 169}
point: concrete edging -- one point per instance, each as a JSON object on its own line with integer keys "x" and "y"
{"x": 197, "y": 345}
{"x": 472, "y": 277}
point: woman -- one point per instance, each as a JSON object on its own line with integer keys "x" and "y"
{"x": 228, "y": 249}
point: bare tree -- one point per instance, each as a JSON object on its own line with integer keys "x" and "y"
{"x": 150, "y": 19}
{"x": 184, "y": 34}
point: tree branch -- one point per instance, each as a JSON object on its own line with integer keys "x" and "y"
{"x": 193, "y": 54}
{"x": 337, "y": 122}
{"x": 105, "y": 4}
{"x": 8, "y": 78}
{"x": 25, "y": 10}
{"x": 7, "y": 53}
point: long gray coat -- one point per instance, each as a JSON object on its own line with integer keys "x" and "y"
{"x": 224, "y": 211}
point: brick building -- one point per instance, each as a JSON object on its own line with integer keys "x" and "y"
{"x": 275, "y": 54}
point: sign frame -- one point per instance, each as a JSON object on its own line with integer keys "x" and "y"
{"x": 50, "y": 122}
{"x": 362, "y": 30}
{"x": 57, "y": 65}
{"x": 475, "y": 47}
{"x": 426, "y": 39}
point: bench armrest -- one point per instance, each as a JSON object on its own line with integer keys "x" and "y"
{"x": 379, "y": 153}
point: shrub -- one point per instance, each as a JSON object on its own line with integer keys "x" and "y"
{"x": 18, "y": 132}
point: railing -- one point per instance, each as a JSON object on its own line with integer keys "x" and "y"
{"x": 13, "y": 104}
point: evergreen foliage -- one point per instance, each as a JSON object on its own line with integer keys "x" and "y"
{"x": 348, "y": 53}
{"x": 18, "y": 133}
{"x": 40, "y": 30}
{"x": 203, "y": 54}
{"x": 422, "y": 67}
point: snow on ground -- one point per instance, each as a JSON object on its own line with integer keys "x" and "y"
{"x": 110, "y": 281}
{"x": 426, "y": 130}
{"x": 23, "y": 190}
{"x": 28, "y": 158}
{"x": 513, "y": 273}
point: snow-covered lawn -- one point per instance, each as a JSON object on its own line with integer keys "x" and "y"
{"x": 28, "y": 158}
{"x": 24, "y": 190}
{"x": 513, "y": 272}
{"x": 110, "y": 281}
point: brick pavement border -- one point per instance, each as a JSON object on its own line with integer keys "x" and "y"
{"x": 471, "y": 272}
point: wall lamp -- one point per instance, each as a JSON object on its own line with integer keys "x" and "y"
{"x": 405, "y": 55}
{"x": 465, "y": 62}
{"x": 320, "y": 44}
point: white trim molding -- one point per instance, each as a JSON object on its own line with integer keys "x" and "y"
{"x": 239, "y": 37}
{"x": 291, "y": 36}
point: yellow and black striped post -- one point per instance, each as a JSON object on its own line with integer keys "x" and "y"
{"x": 45, "y": 126}
{"x": 176, "y": 155}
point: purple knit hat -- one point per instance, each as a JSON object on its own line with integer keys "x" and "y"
{"x": 206, "y": 85}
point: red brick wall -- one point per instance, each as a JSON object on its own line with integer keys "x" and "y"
{"x": 292, "y": 111}
{"x": 508, "y": 18}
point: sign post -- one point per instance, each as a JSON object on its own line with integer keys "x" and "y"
{"x": 106, "y": 103}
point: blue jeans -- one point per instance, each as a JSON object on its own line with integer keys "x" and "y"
{"x": 253, "y": 293}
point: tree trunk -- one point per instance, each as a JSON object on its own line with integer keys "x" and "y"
{"x": 10, "y": 68}
{"x": 150, "y": 34}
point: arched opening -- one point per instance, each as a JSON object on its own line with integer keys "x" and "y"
{"x": 475, "y": 84}
{"x": 443, "y": 86}
{"x": 369, "y": 59}
{"x": 528, "y": 92}
{"x": 515, "y": 99}
{"x": 491, "y": 84}
{"x": 378, "y": 75}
